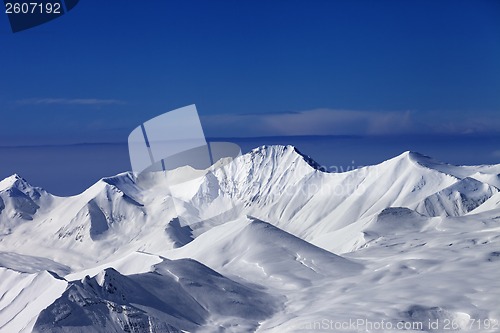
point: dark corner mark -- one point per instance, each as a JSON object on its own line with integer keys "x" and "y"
{"x": 26, "y": 14}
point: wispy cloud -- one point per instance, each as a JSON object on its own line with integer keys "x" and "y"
{"x": 347, "y": 122}
{"x": 70, "y": 101}
{"x": 310, "y": 122}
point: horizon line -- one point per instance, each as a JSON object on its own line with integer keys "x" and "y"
{"x": 249, "y": 138}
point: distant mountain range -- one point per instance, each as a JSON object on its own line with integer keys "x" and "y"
{"x": 268, "y": 242}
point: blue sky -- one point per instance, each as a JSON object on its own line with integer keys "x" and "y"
{"x": 254, "y": 68}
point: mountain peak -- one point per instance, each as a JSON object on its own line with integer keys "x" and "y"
{"x": 285, "y": 152}
{"x": 413, "y": 156}
{"x": 421, "y": 158}
{"x": 14, "y": 181}
{"x": 417, "y": 159}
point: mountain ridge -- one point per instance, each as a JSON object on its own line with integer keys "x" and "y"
{"x": 268, "y": 243}
{"x": 281, "y": 177}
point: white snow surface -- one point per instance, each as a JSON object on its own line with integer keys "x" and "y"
{"x": 266, "y": 243}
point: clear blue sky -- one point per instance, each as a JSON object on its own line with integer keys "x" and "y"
{"x": 254, "y": 68}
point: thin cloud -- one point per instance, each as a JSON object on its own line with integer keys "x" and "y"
{"x": 346, "y": 122}
{"x": 311, "y": 122}
{"x": 70, "y": 101}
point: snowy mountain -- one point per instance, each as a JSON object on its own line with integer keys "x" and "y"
{"x": 269, "y": 242}
{"x": 309, "y": 203}
{"x": 175, "y": 296}
{"x": 19, "y": 202}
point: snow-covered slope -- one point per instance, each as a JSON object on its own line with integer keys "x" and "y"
{"x": 249, "y": 247}
{"x": 276, "y": 184}
{"x": 175, "y": 295}
{"x": 490, "y": 206}
{"x": 24, "y": 295}
{"x": 268, "y": 242}
{"x": 310, "y": 203}
{"x": 457, "y": 199}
